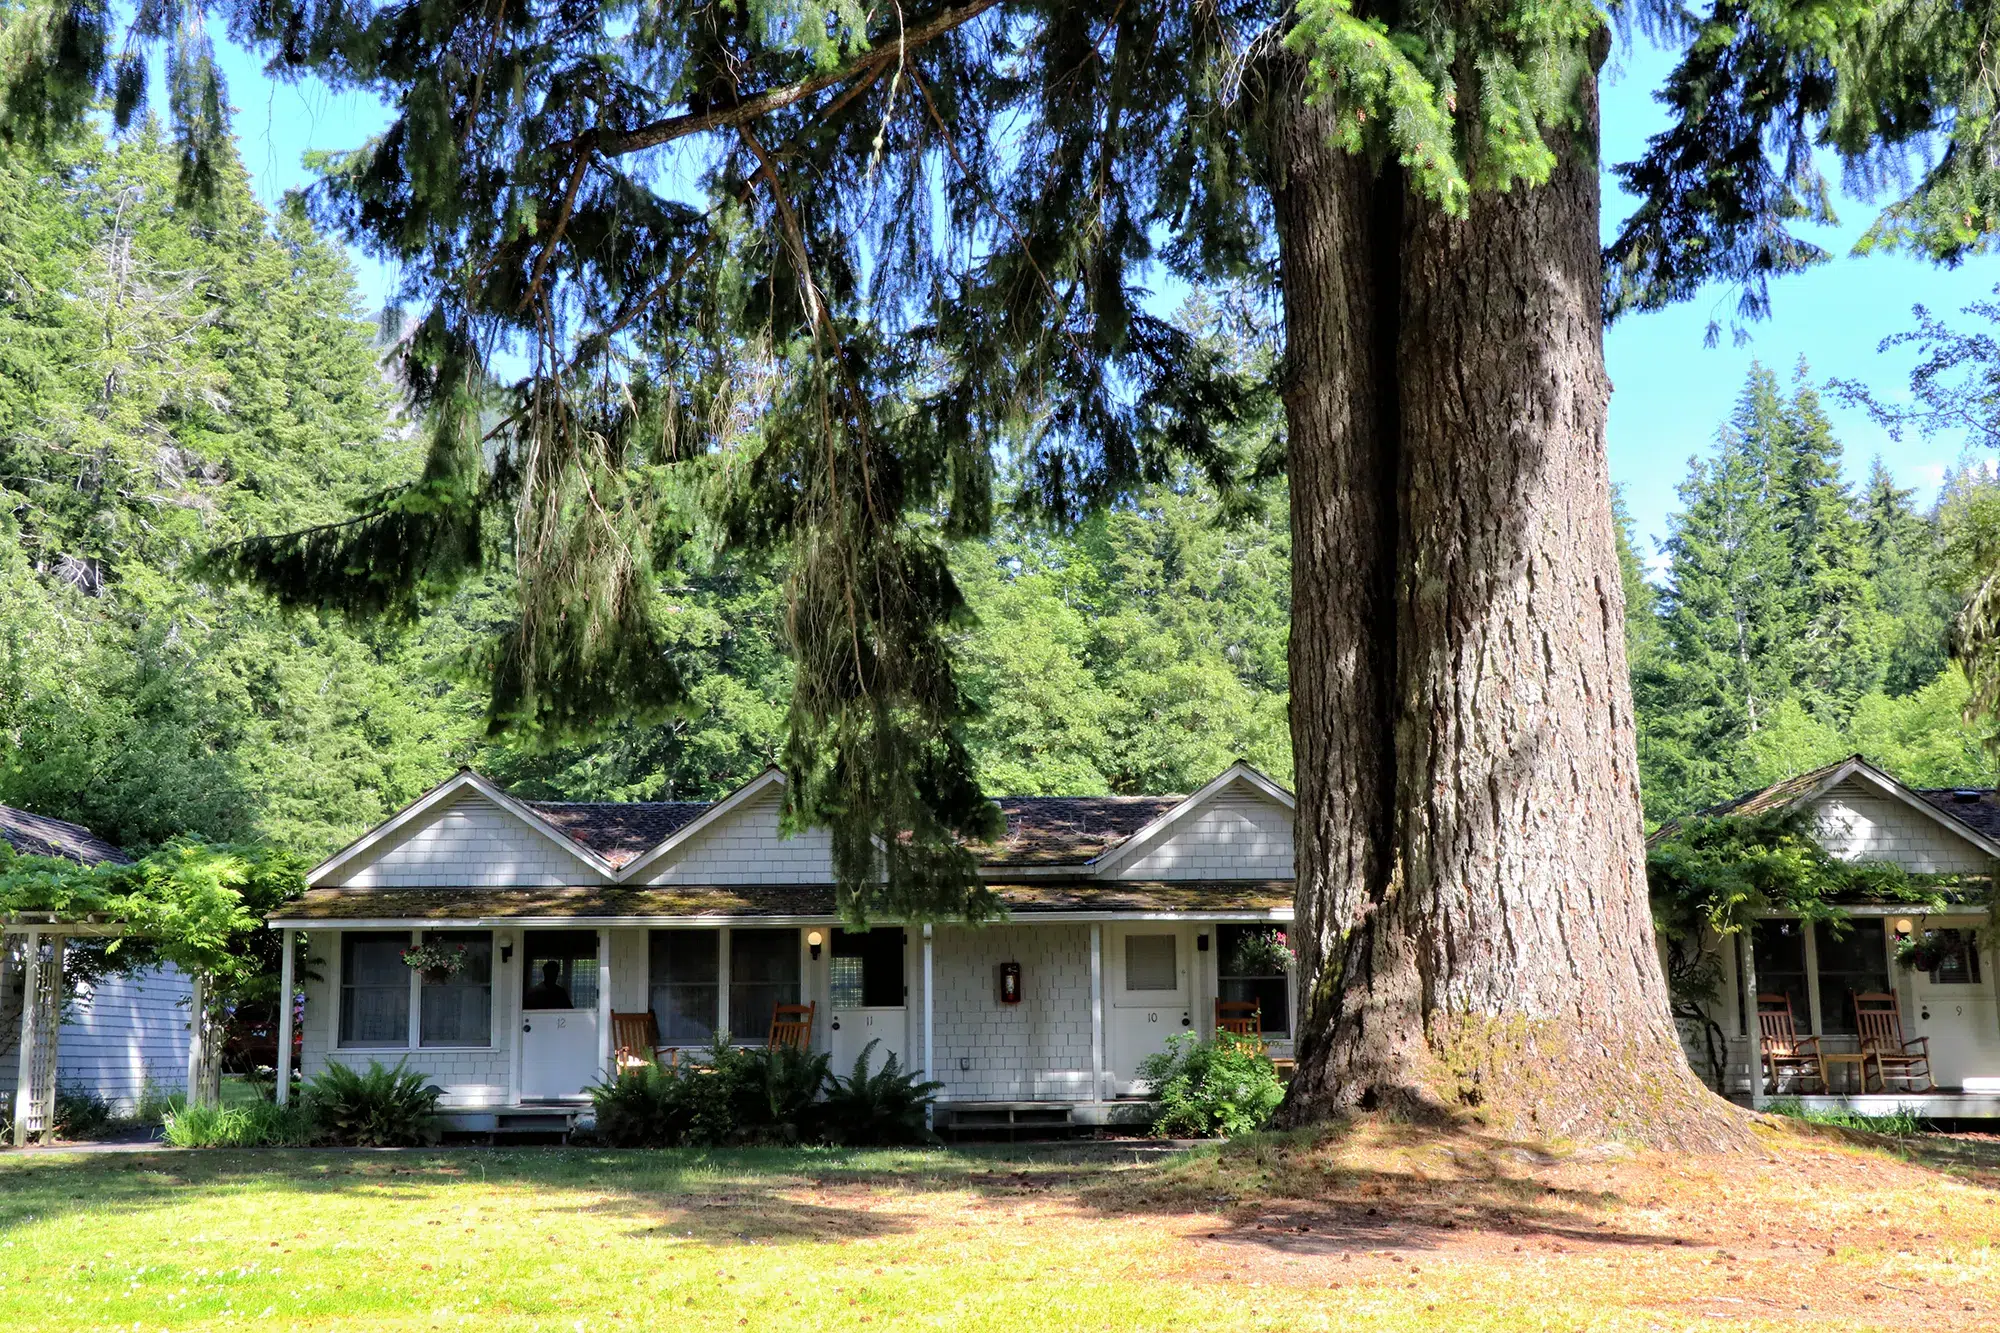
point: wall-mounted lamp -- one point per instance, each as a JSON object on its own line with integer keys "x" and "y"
{"x": 1904, "y": 927}
{"x": 506, "y": 948}
{"x": 1201, "y": 943}
{"x": 813, "y": 941}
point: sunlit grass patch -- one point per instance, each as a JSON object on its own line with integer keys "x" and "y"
{"x": 1375, "y": 1226}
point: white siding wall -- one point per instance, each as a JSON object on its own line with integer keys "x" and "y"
{"x": 744, "y": 847}
{"x": 1859, "y": 823}
{"x": 1036, "y": 1050}
{"x": 1239, "y": 834}
{"x": 469, "y": 842}
{"x": 120, "y": 1038}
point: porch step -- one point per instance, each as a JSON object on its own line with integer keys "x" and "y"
{"x": 1008, "y": 1119}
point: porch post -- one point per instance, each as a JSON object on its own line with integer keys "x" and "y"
{"x": 30, "y": 1009}
{"x": 604, "y": 1002}
{"x": 1097, "y": 1013}
{"x": 930, "y": 1028}
{"x": 1747, "y": 961}
{"x": 722, "y": 982}
{"x": 286, "y": 982}
{"x": 197, "y": 1032}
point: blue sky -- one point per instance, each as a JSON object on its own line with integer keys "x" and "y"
{"x": 1670, "y": 392}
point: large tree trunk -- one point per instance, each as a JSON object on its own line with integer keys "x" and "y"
{"x": 1471, "y": 890}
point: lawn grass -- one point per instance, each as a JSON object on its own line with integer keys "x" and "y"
{"x": 1377, "y": 1227}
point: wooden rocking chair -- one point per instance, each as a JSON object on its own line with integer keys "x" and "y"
{"x": 1880, "y": 1017}
{"x": 1782, "y": 1048}
{"x": 792, "y": 1025}
{"x": 634, "y": 1041}
{"x": 1243, "y": 1017}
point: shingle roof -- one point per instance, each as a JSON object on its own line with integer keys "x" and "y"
{"x": 1041, "y": 830}
{"x": 38, "y": 835}
{"x": 620, "y": 832}
{"x": 752, "y": 900}
{"x": 1977, "y": 806}
{"x": 1069, "y": 830}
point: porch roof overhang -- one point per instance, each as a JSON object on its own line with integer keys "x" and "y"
{"x": 764, "y": 904}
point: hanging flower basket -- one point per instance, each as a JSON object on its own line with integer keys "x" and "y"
{"x": 1266, "y": 953}
{"x": 438, "y": 963}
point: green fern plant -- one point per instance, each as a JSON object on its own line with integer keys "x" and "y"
{"x": 376, "y": 1108}
{"x": 887, "y": 1107}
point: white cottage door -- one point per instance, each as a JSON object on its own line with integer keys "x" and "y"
{"x": 1151, "y": 998}
{"x": 870, "y": 994}
{"x": 1957, "y": 1011}
{"x": 558, "y": 1014}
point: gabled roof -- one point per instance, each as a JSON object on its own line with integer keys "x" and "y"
{"x": 1239, "y": 773}
{"x": 38, "y": 835}
{"x": 1977, "y": 822}
{"x": 444, "y": 793}
{"x": 621, "y": 840}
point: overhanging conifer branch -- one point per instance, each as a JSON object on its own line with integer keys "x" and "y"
{"x": 776, "y": 99}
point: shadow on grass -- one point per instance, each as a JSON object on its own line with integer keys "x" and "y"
{"x": 1371, "y": 1184}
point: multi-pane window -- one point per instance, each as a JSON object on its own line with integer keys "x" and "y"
{"x": 378, "y": 991}
{"x": 458, "y": 1011}
{"x": 374, "y": 989}
{"x": 1779, "y": 950}
{"x": 1853, "y": 961}
{"x": 1246, "y": 973}
{"x": 684, "y": 969}
{"x": 763, "y": 973}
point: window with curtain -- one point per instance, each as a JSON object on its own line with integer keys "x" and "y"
{"x": 1151, "y": 963}
{"x": 1853, "y": 961}
{"x": 458, "y": 1011}
{"x": 1251, "y": 980}
{"x": 763, "y": 973}
{"x": 1958, "y": 958}
{"x": 683, "y": 968}
{"x": 1779, "y": 951}
{"x": 374, "y": 989}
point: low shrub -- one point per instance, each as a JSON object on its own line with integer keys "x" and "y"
{"x": 80, "y": 1113}
{"x": 373, "y": 1108}
{"x": 1223, "y": 1087}
{"x": 247, "y": 1125}
{"x": 889, "y": 1106}
{"x": 639, "y": 1108}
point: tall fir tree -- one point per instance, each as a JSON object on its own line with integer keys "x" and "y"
{"x": 1903, "y": 559}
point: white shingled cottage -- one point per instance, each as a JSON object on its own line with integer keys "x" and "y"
{"x": 1819, "y": 979}
{"x": 1127, "y": 918}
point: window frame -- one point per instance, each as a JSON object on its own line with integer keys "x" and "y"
{"x": 1282, "y": 979}
{"x": 731, "y": 1015}
{"x": 715, "y": 986}
{"x": 412, "y": 1041}
{"x": 491, "y": 987}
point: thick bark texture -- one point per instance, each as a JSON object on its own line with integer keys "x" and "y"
{"x": 1472, "y": 898}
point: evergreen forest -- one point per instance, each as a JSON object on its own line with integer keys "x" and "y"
{"x": 173, "y": 380}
